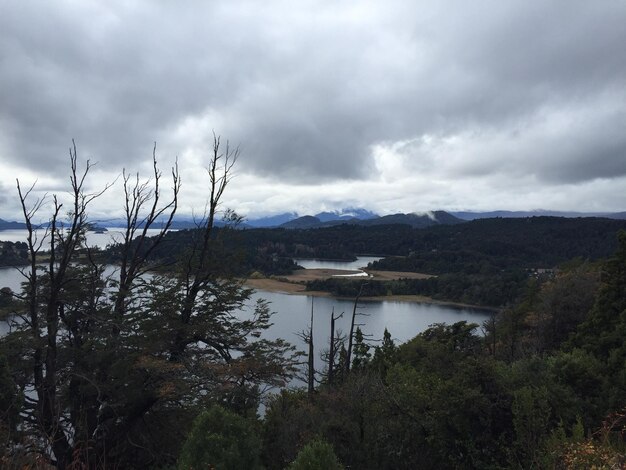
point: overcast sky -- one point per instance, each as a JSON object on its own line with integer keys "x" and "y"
{"x": 394, "y": 106}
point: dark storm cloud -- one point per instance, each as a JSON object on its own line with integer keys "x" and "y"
{"x": 113, "y": 79}
{"x": 595, "y": 149}
{"x": 307, "y": 92}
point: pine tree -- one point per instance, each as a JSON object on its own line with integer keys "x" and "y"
{"x": 361, "y": 351}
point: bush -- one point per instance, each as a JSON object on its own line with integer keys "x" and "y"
{"x": 316, "y": 455}
{"x": 220, "y": 439}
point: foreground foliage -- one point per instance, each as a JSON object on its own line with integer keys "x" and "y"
{"x": 543, "y": 388}
{"x": 316, "y": 455}
{"x": 110, "y": 364}
{"x": 220, "y": 439}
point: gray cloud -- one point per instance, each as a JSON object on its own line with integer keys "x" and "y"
{"x": 3, "y": 198}
{"x": 309, "y": 90}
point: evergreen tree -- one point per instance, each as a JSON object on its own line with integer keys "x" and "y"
{"x": 9, "y": 407}
{"x": 604, "y": 331}
{"x": 361, "y": 351}
{"x": 384, "y": 355}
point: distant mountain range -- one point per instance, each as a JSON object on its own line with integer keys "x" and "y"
{"x": 417, "y": 220}
{"x": 355, "y": 216}
{"x": 6, "y": 225}
{"x": 342, "y": 215}
{"x": 424, "y": 219}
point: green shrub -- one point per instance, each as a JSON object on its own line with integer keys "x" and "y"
{"x": 316, "y": 455}
{"x": 222, "y": 440}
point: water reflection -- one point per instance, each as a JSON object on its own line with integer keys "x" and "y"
{"x": 12, "y": 278}
{"x": 404, "y": 320}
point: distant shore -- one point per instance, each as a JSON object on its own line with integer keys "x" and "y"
{"x": 295, "y": 284}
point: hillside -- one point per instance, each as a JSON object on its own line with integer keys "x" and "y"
{"x": 6, "y": 225}
{"x": 505, "y": 243}
{"x": 414, "y": 220}
{"x": 483, "y": 262}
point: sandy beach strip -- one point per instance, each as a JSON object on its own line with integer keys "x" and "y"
{"x": 295, "y": 284}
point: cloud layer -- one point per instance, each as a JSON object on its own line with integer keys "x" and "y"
{"x": 400, "y": 106}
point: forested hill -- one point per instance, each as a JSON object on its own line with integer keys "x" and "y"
{"x": 484, "y": 262}
{"x": 502, "y": 243}
{"x": 513, "y": 243}
{"x": 537, "y": 240}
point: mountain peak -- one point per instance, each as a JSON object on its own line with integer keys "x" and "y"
{"x": 346, "y": 214}
{"x": 416, "y": 220}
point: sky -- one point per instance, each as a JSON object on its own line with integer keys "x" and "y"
{"x": 395, "y": 106}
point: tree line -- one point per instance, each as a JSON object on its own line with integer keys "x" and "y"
{"x": 484, "y": 262}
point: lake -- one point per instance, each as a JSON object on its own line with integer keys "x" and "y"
{"x": 292, "y": 312}
{"x": 404, "y": 320}
{"x": 101, "y": 240}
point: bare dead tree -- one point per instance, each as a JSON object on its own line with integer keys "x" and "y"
{"x": 352, "y": 325}
{"x": 306, "y": 336}
{"x": 171, "y": 339}
{"x": 335, "y": 341}
{"x": 198, "y": 273}
{"x": 311, "y": 375}
{"x": 47, "y": 413}
{"x": 60, "y": 427}
{"x": 137, "y": 246}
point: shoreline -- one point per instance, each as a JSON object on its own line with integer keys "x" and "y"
{"x": 292, "y": 288}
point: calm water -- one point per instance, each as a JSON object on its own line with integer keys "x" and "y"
{"x": 404, "y": 320}
{"x": 101, "y": 240}
{"x": 292, "y": 312}
{"x": 11, "y": 277}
